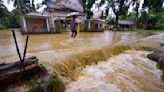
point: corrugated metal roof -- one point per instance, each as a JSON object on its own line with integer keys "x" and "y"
{"x": 98, "y": 20}
{"x": 36, "y": 14}
{"x": 126, "y": 22}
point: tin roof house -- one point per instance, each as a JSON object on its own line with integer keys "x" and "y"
{"x": 126, "y": 25}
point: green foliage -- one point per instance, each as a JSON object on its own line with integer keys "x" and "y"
{"x": 120, "y": 8}
{"x": 87, "y": 5}
{"x": 1, "y": 27}
{"x": 10, "y": 20}
{"x": 153, "y": 5}
{"x": 3, "y": 14}
{"x": 24, "y": 6}
{"x": 103, "y": 16}
{"x": 14, "y": 19}
{"x": 55, "y": 80}
{"x": 158, "y": 65}
{"x": 152, "y": 15}
{"x": 111, "y": 21}
{"x": 151, "y": 20}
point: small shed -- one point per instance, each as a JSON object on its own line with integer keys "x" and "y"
{"x": 95, "y": 25}
{"x": 126, "y": 24}
{"x": 35, "y": 23}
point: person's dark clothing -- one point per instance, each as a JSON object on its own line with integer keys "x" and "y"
{"x": 73, "y": 28}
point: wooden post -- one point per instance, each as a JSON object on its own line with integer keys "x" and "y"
{"x": 25, "y": 49}
{"x": 17, "y": 48}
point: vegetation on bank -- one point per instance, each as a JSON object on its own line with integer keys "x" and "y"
{"x": 149, "y": 17}
{"x": 44, "y": 81}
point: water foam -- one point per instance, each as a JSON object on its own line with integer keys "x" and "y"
{"x": 128, "y": 72}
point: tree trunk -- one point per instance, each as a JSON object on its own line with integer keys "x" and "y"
{"x": 20, "y": 15}
{"x": 19, "y": 7}
{"x": 117, "y": 18}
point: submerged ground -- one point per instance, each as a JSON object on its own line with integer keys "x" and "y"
{"x": 129, "y": 71}
{"x": 49, "y": 48}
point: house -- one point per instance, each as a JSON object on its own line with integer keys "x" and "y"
{"x": 95, "y": 25}
{"x": 60, "y": 18}
{"x": 126, "y": 25}
{"x": 35, "y": 23}
{"x": 54, "y": 18}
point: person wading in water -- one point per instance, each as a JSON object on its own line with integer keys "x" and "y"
{"x": 73, "y": 27}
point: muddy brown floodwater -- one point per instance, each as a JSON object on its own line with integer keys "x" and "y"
{"x": 49, "y": 48}
{"x": 129, "y": 71}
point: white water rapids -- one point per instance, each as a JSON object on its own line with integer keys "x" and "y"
{"x": 130, "y": 71}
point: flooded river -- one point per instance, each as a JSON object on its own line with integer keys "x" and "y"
{"x": 49, "y": 48}
{"x": 129, "y": 71}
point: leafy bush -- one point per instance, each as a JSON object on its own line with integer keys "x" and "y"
{"x": 2, "y": 27}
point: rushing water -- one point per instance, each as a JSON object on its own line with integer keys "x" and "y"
{"x": 130, "y": 71}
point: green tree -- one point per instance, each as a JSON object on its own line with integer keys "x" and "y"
{"x": 152, "y": 14}
{"x": 24, "y": 6}
{"x": 153, "y": 5}
{"x": 119, "y": 7}
{"x": 14, "y": 19}
{"x": 87, "y": 5}
{"x": 3, "y": 10}
{"x": 3, "y": 15}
